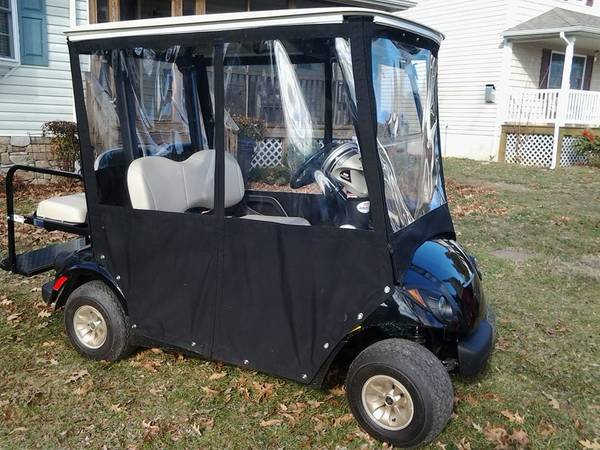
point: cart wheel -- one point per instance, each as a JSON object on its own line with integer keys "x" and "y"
{"x": 400, "y": 392}
{"x": 96, "y": 322}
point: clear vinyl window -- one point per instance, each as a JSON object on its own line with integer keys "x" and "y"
{"x": 289, "y": 126}
{"x": 150, "y": 134}
{"x": 404, "y": 81}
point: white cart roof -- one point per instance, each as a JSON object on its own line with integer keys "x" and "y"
{"x": 241, "y": 20}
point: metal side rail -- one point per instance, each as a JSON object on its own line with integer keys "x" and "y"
{"x": 40, "y": 260}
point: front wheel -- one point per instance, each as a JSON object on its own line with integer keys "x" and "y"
{"x": 400, "y": 392}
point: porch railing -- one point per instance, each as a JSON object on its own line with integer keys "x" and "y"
{"x": 583, "y": 108}
{"x": 541, "y": 107}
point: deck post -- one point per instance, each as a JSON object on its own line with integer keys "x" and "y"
{"x": 563, "y": 97}
{"x": 503, "y": 95}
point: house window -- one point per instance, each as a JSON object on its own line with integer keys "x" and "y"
{"x": 7, "y": 27}
{"x": 557, "y": 62}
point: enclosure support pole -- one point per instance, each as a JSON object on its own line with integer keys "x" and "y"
{"x": 328, "y": 133}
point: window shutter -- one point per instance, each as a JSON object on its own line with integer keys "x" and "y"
{"x": 545, "y": 68}
{"x": 587, "y": 76}
{"x": 33, "y": 32}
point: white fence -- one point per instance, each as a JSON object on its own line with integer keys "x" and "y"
{"x": 541, "y": 107}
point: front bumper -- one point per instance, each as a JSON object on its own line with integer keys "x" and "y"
{"x": 475, "y": 350}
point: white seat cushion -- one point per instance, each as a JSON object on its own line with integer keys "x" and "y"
{"x": 68, "y": 208}
{"x": 160, "y": 184}
{"x": 279, "y": 219}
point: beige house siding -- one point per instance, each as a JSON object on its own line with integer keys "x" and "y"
{"x": 31, "y": 95}
{"x": 472, "y": 56}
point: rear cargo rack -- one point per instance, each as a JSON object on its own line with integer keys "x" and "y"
{"x": 40, "y": 260}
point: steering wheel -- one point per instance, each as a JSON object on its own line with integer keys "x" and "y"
{"x": 304, "y": 174}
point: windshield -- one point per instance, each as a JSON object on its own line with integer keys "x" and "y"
{"x": 404, "y": 81}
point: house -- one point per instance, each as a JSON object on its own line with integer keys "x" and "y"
{"x": 35, "y": 84}
{"x": 518, "y": 79}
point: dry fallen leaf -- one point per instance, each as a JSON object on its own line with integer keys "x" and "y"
{"x": 151, "y": 427}
{"x": 337, "y": 391}
{"x": 6, "y": 302}
{"x": 271, "y": 422}
{"x": 343, "y": 419}
{"x": 44, "y": 314}
{"x": 589, "y": 445}
{"x": 263, "y": 390}
{"x": 513, "y": 417}
{"x": 519, "y": 438}
{"x": 209, "y": 391}
{"x": 14, "y": 317}
{"x": 546, "y": 429}
{"x": 552, "y": 401}
{"x": 496, "y": 435}
{"x": 464, "y": 445}
{"x": 84, "y": 388}
{"x": 77, "y": 376}
{"x": 217, "y": 376}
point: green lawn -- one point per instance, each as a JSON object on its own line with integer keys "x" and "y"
{"x": 536, "y": 234}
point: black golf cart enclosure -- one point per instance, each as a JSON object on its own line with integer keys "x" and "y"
{"x": 266, "y": 189}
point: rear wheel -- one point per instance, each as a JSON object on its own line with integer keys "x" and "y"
{"x": 400, "y": 392}
{"x": 96, "y": 323}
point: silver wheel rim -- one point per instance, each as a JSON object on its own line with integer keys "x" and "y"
{"x": 387, "y": 402}
{"x": 90, "y": 327}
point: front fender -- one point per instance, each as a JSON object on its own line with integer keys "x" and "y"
{"x": 442, "y": 268}
{"x": 79, "y": 268}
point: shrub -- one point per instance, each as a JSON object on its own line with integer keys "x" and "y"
{"x": 277, "y": 175}
{"x": 64, "y": 143}
{"x": 250, "y": 127}
{"x": 588, "y": 145}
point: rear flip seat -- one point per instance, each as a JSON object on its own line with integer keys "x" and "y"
{"x": 68, "y": 208}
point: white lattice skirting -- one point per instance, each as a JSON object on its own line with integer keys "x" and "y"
{"x": 536, "y": 150}
{"x": 529, "y": 149}
{"x": 268, "y": 153}
{"x": 568, "y": 157}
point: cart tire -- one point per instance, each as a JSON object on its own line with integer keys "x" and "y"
{"x": 400, "y": 393}
{"x": 96, "y": 323}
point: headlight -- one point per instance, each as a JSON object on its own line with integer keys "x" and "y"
{"x": 442, "y": 308}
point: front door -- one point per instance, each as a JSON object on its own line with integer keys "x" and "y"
{"x": 302, "y": 262}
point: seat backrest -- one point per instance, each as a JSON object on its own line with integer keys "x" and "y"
{"x": 160, "y": 184}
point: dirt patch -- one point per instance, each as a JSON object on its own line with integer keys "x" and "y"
{"x": 467, "y": 199}
{"x": 509, "y": 187}
{"x": 512, "y": 255}
{"x": 587, "y": 266}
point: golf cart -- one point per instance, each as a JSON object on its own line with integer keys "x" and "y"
{"x": 266, "y": 189}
